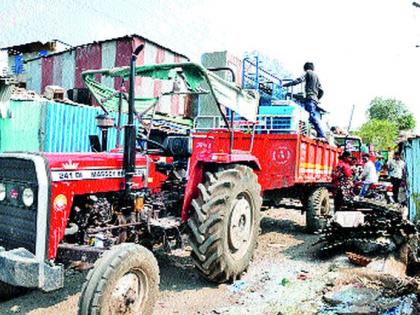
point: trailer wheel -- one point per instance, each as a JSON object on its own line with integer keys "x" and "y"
{"x": 317, "y": 209}
{"x": 8, "y": 291}
{"x": 125, "y": 280}
{"x": 224, "y": 226}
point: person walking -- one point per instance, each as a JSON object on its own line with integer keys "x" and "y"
{"x": 369, "y": 175}
{"x": 396, "y": 170}
{"x": 342, "y": 181}
{"x": 313, "y": 93}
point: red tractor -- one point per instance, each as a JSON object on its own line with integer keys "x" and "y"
{"x": 196, "y": 174}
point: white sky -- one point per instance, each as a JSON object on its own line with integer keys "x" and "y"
{"x": 361, "y": 48}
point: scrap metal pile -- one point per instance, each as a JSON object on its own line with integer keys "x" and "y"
{"x": 385, "y": 229}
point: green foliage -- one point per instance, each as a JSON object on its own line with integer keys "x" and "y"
{"x": 392, "y": 110}
{"x": 406, "y": 122}
{"x": 381, "y": 133}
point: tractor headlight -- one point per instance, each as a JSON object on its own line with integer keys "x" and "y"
{"x": 2, "y": 191}
{"x": 28, "y": 197}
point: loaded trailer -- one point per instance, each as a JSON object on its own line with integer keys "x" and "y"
{"x": 203, "y": 176}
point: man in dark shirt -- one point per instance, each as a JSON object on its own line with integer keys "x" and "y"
{"x": 313, "y": 92}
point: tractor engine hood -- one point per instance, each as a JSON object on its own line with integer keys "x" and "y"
{"x": 88, "y": 166}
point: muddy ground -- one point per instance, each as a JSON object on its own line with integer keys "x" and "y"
{"x": 285, "y": 277}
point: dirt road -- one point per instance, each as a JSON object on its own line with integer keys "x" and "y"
{"x": 284, "y": 278}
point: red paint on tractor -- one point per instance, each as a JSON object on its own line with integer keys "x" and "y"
{"x": 86, "y": 173}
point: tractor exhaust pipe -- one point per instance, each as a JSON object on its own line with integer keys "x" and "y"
{"x": 130, "y": 129}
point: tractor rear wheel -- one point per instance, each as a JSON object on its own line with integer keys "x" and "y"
{"x": 317, "y": 209}
{"x": 125, "y": 280}
{"x": 224, "y": 226}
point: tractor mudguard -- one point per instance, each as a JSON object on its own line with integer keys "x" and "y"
{"x": 198, "y": 167}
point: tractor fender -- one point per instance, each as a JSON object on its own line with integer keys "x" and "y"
{"x": 210, "y": 161}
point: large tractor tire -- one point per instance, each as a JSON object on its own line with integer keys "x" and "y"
{"x": 224, "y": 226}
{"x": 318, "y": 209}
{"x": 125, "y": 280}
{"x": 8, "y": 291}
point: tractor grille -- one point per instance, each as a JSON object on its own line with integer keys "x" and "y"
{"x": 18, "y": 222}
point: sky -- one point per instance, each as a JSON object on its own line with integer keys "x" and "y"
{"x": 360, "y": 48}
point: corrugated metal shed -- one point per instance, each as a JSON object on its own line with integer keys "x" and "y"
{"x": 22, "y": 131}
{"x": 65, "y": 68}
{"x": 67, "y": 128}
{"x": 47, "y": 126}
{"x": 412, "y": 159}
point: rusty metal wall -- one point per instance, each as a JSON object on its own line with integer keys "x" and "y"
{"x": 89, "y": 57}
{"x": 64, "y": 69}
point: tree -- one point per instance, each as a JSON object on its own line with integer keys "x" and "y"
{"x": 392, "y": 110}
{"x": 381, "y": 133}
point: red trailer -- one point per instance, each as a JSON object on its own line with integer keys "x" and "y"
{"x": 195, "y": 174}
{"x": 287, "y": 165}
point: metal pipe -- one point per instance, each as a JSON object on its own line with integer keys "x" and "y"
{"x": 257, "y": 75}
{"x": 215, "y": 69}
{"x": 232, "y": 133}
{"x": 120, "y": 97}
{"x": 130, "y": 129}
{"x": 252, "y": 138}
{"x": 146, "y": 175}
{"x": 246, "y": 59}
{"x": 104, "y": 139}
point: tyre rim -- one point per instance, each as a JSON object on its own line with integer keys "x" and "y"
{"x": 240, "y": 226}
{"x": 129, "y": 293}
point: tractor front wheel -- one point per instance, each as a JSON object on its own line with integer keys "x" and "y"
{"x": 224, "y": 226}
{"x": 125, "y": 280}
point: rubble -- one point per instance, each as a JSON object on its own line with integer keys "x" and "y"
{"x": 384, "y": 243}
{"x": 22, "y": 94}
{"x": 384, "y": 230}
{"x": 364, "y": 291}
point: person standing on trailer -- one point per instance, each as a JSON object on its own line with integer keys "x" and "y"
{"x": 396, "y": 170}
{"x": 342, "y": 181}
{"x": 313, "y": 93}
